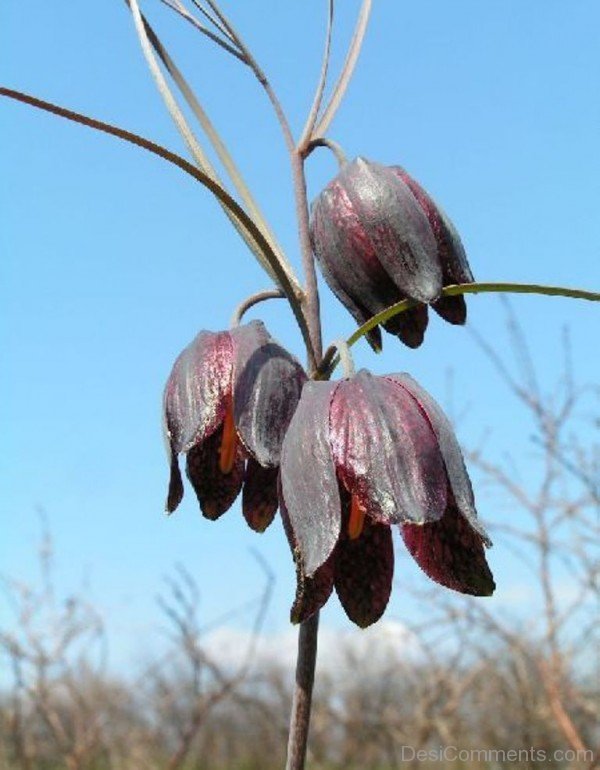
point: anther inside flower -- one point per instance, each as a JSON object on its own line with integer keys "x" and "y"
{"x": 356, "y": 522}
{"x": 227, "y": 405}
{"x": 380, "y": 238}
{"x": 363, "y": 454}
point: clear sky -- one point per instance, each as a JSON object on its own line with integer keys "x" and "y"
{"x": 112, "y": 260}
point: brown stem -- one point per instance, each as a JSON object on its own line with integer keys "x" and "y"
{"x": 252, "y": 300}
{"x": 311, "y": 295}
{"x": 316, "y": 105}
{"x": 305, "y": 676}
{"x": 550, "y": 678}
{"x": 323, "y": 141}
{"x": 308, "y": 634}
{"x": 259, "y": 73}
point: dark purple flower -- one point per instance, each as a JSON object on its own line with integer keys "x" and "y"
{"x": 227, "y": 405}
{"x": 379, "y": 238}
{"x": 360, "y": 455}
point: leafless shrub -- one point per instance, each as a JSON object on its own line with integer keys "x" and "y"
{"x": 474, "y": 678}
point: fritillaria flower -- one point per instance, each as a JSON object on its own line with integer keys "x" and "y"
{"x": 361, "y": 455}
{"x": 379, "y": 238}
{"x": 227, "y": 404}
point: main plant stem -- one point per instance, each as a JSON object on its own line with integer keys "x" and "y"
{"x": 303, "y": 689}
{"x": 307, "y": 636}
{"x": 311, "y": 292}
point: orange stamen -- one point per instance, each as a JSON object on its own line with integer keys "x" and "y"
{"x": 356, "y": 521}
{"x": 229, "y": 442}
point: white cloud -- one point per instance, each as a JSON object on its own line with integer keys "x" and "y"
{"x": 339, "y": 651}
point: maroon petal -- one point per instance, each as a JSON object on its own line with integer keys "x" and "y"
{"x": 385, "y": 451}
{"x": 451, "y": 309}
{"x": 451, "y": 553}
{"x": 348, "y": 259}
{"x": 215, "y": 490}
{"x": 396, "y": 227}
{"x": 308, "y": 482}
{"x": 451, "y": 252}
{"x": 259, "y": 495}
{"x": 364, "y": 568}
{"x": 175, "y": 493}
{"x": 409, "y": 326}
{"x": 266, "y": 390}
{"x": 311, "y": 592}
{"x": 354, "y": 306}
{"x": 197, "y": 390}
{"x": 449, "y": 448}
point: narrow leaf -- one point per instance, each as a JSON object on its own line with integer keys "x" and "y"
{"x": 219, "y": 192}
{"x": 307, "y": 133}
{"x": 217, "y": 143}
{"x": 184, "y": 13}
{"x": 330, "y": 361}
{"x": 347, "y": 69}
{"x": 187, "y": 134}
{"x": 211, "y": 18}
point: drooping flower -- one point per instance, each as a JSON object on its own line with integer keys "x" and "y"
{"x": 360, "y": 455}
{"x": 379, "y": 238}
{"x": 227, "y": 404}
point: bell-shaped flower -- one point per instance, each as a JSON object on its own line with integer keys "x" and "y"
{"x": 227, "y": 405}
{"x": 379, "y": 238}
{"x": 361, "y": 455}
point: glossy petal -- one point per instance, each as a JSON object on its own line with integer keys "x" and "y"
{"x": 451, "y": 309}
{"x": 452, "y": 255}
{"x": 216, "y": 491}
{"x": 451, "y": 252}
{"x": 386, "y": 452}
{"x": 259, "y": 495}
{"x": 267, "y": 385}
{"x": 175, "y": 493}
{"x": 364, "y": 569}
{"x": 451, "y": 553}
{"x": 308, "y": 481}
{"x": 342, "y": 291}
{"x": 197, "y": 391}
{"x": 449, "y": 448}
{"x": 396, "y": 227}
{"x": 311, "y": 592}
{"x": 347, "y": 258}
{"x": 409, "y": 326}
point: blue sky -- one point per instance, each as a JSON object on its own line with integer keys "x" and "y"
{"x": 112, "y": 260}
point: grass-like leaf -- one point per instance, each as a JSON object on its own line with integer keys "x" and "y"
{"x": 307, "y": 133}
{"x": 192, "y": 143}
{"x": 218, "y": 144}
{"x": 329, "y": 362}
{"x": 179, "y": 8}
{"x": 215, "y": 188}
{"x": 347, "y": 69}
